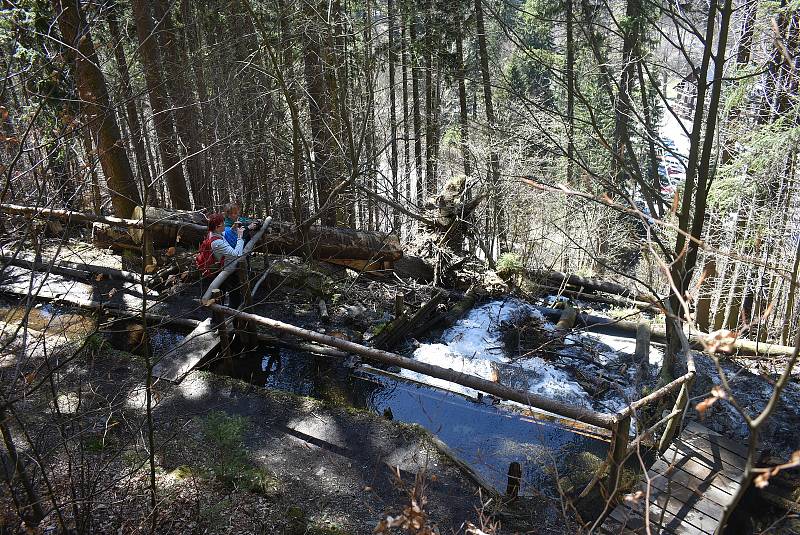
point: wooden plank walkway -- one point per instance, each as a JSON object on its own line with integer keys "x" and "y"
{"x": 181, "y": 359}
{"x": 693, "y": 487}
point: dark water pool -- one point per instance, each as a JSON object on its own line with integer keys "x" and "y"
{"x": 485, "y": 435}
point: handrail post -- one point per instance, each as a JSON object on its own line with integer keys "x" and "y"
{"x": 674, "y": 425}
{"x": 219, "y": 318}
{"x": 618, "y": 452}
{"x": 246, "y": 327}
{"x": 642, "y": 351}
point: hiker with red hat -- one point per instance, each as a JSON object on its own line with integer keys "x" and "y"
{"x": 216, "y": 253}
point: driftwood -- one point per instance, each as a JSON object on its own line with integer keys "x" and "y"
{"x": 566, "y": 410}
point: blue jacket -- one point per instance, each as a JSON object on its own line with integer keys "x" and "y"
{"x": 230, "y": 236}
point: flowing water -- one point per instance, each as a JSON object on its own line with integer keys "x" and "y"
{"x": 486, "y": 434}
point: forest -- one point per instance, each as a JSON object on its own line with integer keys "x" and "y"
{"x": 399, "y": 266}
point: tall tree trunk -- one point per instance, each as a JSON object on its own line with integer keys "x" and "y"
{"x": 369, "y": 133}
{"x": 496, "y": 199}
{"x": 194, "y": 42}
{"x": 652, "y": 134}
{"x": 462, "y": 98}
{"x": 697, "y": 178}
{"x": 569, "y": 73}
{"x": 99, "y": 115}
{"x": 287, "y": 75}
{"x": 97, "y": 202}
{"x": 406, "y": 136}
{"x": 430, "y": 105}
{"x": 135, "y": 127}
{"x": 338, "y": 80}
{"x": 791, "y": 298}
{"x": 321, "y": 112}
{"x": 622, "y": 104}
{"x": 392, "y": 112}
{"x": 187, "y": 117}
{"x": 159, "y": 103}
{"x": 415, "y": 80}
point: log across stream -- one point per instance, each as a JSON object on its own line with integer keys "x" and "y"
{"x": 485, "y": 434}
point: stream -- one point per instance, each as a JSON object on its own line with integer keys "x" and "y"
{"x": 485, "y": 433}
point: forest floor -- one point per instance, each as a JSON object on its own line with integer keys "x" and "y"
{"x": 232, "y": 457}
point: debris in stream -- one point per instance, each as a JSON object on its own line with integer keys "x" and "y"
{"x": 525, "y": 335}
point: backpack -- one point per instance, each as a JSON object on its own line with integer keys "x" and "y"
{"x": 206, "y": 263}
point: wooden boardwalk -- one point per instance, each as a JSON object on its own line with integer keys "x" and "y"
{"x": 693, "y": 487}
{"x": 180, "y": 360}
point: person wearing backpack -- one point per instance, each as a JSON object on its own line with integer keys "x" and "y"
{"x": 221, "y": 254}
{"x": 234, "y": 218}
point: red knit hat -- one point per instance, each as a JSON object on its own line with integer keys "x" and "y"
{"x": 215, "y": 220}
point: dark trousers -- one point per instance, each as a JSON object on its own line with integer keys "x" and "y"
{"x": 232, "y": 288}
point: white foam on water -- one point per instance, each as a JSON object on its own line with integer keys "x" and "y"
{"x": 619, "y": 344}
{"x": 477, "y": 335}
{"x": 442, "y": 355}
{"x": 553, "y": 383}
{"x": 474, "y": 343}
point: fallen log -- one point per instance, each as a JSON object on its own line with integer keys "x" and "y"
{"x": 323, "y": 242}
{"x": 566, "y": 410}
{"x": 698, "y": 340}
{"x": 124, "y": 313}
{"x": 335, "y": 242}
{"x": 403, "y": 326}
{"x": 596, "y": 298}
{"x": 702, "y": 341}
{"x": 168, "y": 236}
{"x": 588, "y": 283}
